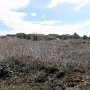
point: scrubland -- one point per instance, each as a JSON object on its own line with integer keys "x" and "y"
{"x": 44, "y": 65}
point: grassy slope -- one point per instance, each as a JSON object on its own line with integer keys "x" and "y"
{"x": 53, "y": 65}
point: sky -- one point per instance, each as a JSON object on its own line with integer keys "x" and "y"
{"x": 45, "y": 17}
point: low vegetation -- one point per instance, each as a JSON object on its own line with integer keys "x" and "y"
{"x": 38, "y": 37}
{"x": 27, "y": 74}
{"x": 44, "y": 65}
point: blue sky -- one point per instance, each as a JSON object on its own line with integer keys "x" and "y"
{"x": 45, "y": 16}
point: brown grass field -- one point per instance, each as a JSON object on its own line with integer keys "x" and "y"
{"x": 44, "y": 65}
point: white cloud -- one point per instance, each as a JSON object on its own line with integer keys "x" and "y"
{"x": 33, "y": 14}
{"x": 3, "y": 32}
{"x": 44, "y": 15}
{"x": 87, "y": 22}
{"x": 14, "y": 20}
{"x": 78, "y": 3}
{"x": 8, "y": 7}
{"x": 48, "y": 22}
{"x": 12, "y": 4}
{"x": 80, "y": 6}
{"x": 29, "y": 27}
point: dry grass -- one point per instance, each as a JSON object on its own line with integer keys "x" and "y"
{"x": 44, "y": 65}
{"x": 27, "y": 74}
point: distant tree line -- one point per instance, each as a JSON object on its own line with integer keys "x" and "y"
{"x": 36, "y": 37}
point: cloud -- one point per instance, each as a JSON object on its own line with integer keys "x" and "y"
{"x": 3, "y": 32}
{"x": 8, "y": 7}
{"x": 87, "y": 22}
{"x": 80, "y": 6}
{"x": 13, "y": 19}
{"x": 9, "y": 14}
{"x": 44, "y": 15}
{"x": 29, "y": 27}
{"x": 33, "y": 14}
{"x": 13, "y": 4}
{"x": 79, "y": 3}
{"x": 48, "y": 22}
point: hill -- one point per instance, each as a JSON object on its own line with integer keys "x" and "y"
{"x": 44, "y": 64}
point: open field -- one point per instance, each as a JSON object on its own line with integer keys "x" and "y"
{"x": 44, "y": 65}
